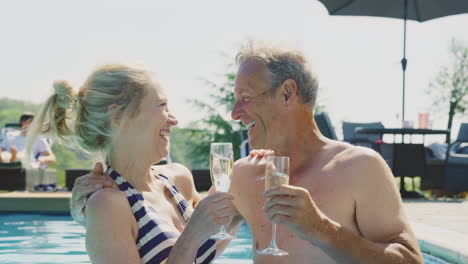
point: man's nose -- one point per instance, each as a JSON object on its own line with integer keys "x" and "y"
{"x": 237, "y": 111}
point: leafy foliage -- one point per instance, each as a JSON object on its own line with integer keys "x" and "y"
{"x": 11, "y": 110}
{"x": 450, "y": 87}
{"x": 182, "y": 147}
{"x": 218, "y": 125}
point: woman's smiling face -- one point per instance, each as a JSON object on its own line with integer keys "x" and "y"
{"x": 150, "y": 128}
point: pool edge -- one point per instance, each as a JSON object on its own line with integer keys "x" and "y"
{"x": 442, "y": 243}
{"x": 26, "y": 202}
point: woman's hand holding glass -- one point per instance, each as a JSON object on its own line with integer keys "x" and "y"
{"x": 211, "y": 213}
{"x": 221, "y": 165}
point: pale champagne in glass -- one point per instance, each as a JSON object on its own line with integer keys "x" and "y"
{"x": 276, "y": 174}
{"x": 221, "y": 171}
{"x": 221, "y": 163}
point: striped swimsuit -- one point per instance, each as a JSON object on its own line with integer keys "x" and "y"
{"x": 155, "y": 236}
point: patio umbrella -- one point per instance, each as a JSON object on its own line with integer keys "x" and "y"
{"x": 419, "y": 10}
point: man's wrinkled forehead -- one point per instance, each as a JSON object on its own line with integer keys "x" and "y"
{"x": 252, "y": 67}
{"x": 251, "y": 75}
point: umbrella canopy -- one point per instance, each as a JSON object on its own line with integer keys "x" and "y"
{"x": 418, "y": 10}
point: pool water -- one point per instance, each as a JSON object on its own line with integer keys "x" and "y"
{"x": 47, "y": 239}
{"x": 31, "y": 238}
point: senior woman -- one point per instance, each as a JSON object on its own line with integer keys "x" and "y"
{"x": 122, "y": 113}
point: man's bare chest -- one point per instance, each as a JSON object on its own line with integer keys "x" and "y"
{"x": 328, "y": 192}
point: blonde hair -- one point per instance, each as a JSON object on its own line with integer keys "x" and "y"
{"x": 86, "y": 115}
{"x": 282, "y": 64}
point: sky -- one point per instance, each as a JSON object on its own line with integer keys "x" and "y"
{"x": 186, "y": 42}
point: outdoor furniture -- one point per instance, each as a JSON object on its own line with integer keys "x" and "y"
{"x": 39, "y": 179}
{"x": 202, "y": 179}
{"x": 325, "y": 126}
{"x": 360, "y": 139}
{"x": 12, "y": 176}
{"x": 456, "y": 169}
{"x": 244, "y": 146}
{"x": 71, "y": 175}
{"x": 405, "y": 159}
{"x": 409, "y": 160}
{"x": 435, "y": 168}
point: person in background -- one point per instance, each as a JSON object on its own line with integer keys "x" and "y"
{"x": 14, "y": 146}
{"x": 15, "y": 143}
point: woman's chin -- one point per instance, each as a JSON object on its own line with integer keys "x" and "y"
{"x": 161, "y": 156}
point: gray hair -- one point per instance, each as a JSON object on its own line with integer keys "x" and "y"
{"x": 86, "y": 115}
{"x": 283, "y": 64}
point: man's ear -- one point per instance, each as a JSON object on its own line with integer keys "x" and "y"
{"x": 289, "y": 91}
{"x": 115, "y": 118}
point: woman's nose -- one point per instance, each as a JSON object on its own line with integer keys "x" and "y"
{"x": 172, "y": 120}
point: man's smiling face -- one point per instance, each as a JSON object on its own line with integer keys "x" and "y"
{"x": 254, "y": 107}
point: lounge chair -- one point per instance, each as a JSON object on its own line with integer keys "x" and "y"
{"x": 435, "y": 167}
{"x": 325, "y": 126}
{"x": 12, "y": 176}
{"x": 366, "y": 140}
{"x": 456, "y": 169}
{"x": 71, "y": 175}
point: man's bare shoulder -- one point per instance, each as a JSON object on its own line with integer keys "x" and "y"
{"x": 346, "y": 154}
{"x": 350, "y": 161}
{"x": 363, "y": 165}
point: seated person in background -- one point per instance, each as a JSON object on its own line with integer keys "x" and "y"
{"x": 41, "y": 153}
{"x": 15, "y": 143}
{"x": 121, "y": 112}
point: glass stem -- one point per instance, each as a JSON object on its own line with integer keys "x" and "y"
{"x": 273, "y": 236}
{"x": 222, "y": 230}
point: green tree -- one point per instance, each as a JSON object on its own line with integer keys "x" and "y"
{"x": 182, "y": 147}
{"x": 11, "y": 110}
{"x": 218, "y": 125}
{"x": 450, "y": 87}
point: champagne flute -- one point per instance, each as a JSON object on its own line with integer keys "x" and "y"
{"x": 221, "y": 163}
{"x": 276, "y": 173}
